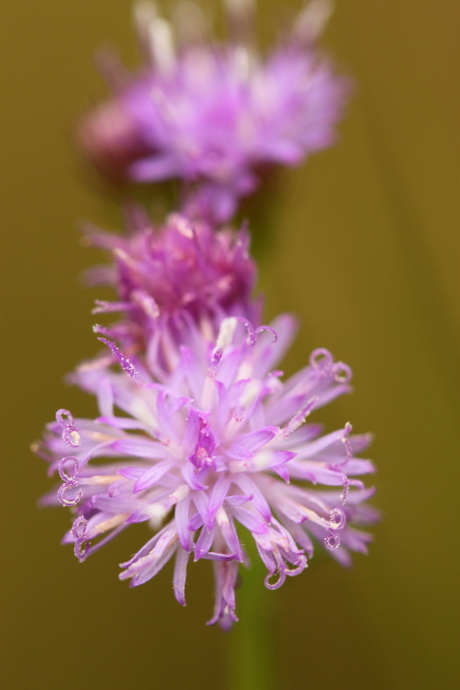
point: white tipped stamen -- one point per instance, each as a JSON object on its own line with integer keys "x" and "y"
{"x": 184, "y": 227}
{"x": 240, "y": 8}
{"x": 155, "y": 36}
{"x": 144, "y": 13}
{"x": 111, "y": 523}
{"x": 179, "y": 494}
{"x": 244, "y": 62}
{"x": 100, "y": 479}
{"x": 157, "y": 513}
{"x": 312, "y": 20}
{"x": 227, "y": 329}
{"x": 162, "y": 44}
{"x": 240, "y": 15}
{"x": 222, "y": 518}
{"x": 74, "y": 437}
{"x": 250, "y": 393}
{"x": 189, "y": 22}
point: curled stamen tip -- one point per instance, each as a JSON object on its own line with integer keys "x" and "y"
{"x": 337, "y": 519}
{"x": 71, "y": 436}
{"x": 68, "y": 502}
{"x": 332, "y": 541}
{"x": 79, "y": 528}
{"x": 342, "y": 373}
{"x": 281, "y": 577}
{"x": 320, "y": 358}
{"x": 66, "y": 474}
{"x": 64, "y": 418}
{"x": 81, "y": 549}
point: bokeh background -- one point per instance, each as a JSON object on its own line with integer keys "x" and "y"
{"x": 365, "y": 248}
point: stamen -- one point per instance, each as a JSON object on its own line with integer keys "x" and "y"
{"x": 332, "y": 541}
{"x": 68, "y": 502}
{"x": 227, "y": 330}
{"x": 311, "y": 20}
{"x": 144, "y": 13}
{"x": 337, "y": 519}
{"x": 342, "y": 372}
{"x": 70, "y": 435}
{"x": 81, "y": 549}
{"x": 189, "y": 22}
{"x": 104, "y": 307}
{"x": 298, "y": 419}
{"x": 225, "y": 337}
{"x": 124, "y": 362}
{"x": 68, "y": 475}
{"x": 64, "y": 418}
{"x": 79, "y": 527}
{"x": 346, "y": 489}
{"x": 240, "y": 15}
{"x": 321, "y": 358}
{"x": 346, "y": 433}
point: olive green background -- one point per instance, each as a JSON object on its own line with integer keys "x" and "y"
{"x": 364, "y": 248}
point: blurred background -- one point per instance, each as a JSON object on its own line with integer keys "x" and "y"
{"x": 365, "y": 249}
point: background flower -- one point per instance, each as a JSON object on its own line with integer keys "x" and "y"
{"x": 214, "y": 116}
{"x": 185, "y": 271}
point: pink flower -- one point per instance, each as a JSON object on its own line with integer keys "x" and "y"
{"x": 217, "y": 442}
{"x": 169, "y": 276}
{"x": 215, "y": 116}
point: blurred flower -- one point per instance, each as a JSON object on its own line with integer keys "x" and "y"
{"x": 166, "y": 277}
{"x": 216, "y": 116}
{"x": 218, "y": 444}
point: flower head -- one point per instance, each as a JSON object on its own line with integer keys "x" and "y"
{"x": 217, "y": 444}
{"x": 215, "y": 116}
{"x": 165, "y": 277}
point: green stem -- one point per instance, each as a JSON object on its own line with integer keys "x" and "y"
{"x": 252, "y": 641}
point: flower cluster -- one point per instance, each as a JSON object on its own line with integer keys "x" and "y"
{"x": 220, "y": 440}
{"x": 216, "y": 116}
{"x": 198, "y": 434}
{"x": 183, "y": 269}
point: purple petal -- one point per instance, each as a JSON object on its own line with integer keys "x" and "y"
{"x": 180, "y": 575}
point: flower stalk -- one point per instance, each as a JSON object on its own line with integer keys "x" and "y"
{"x": 252, "y": 646}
